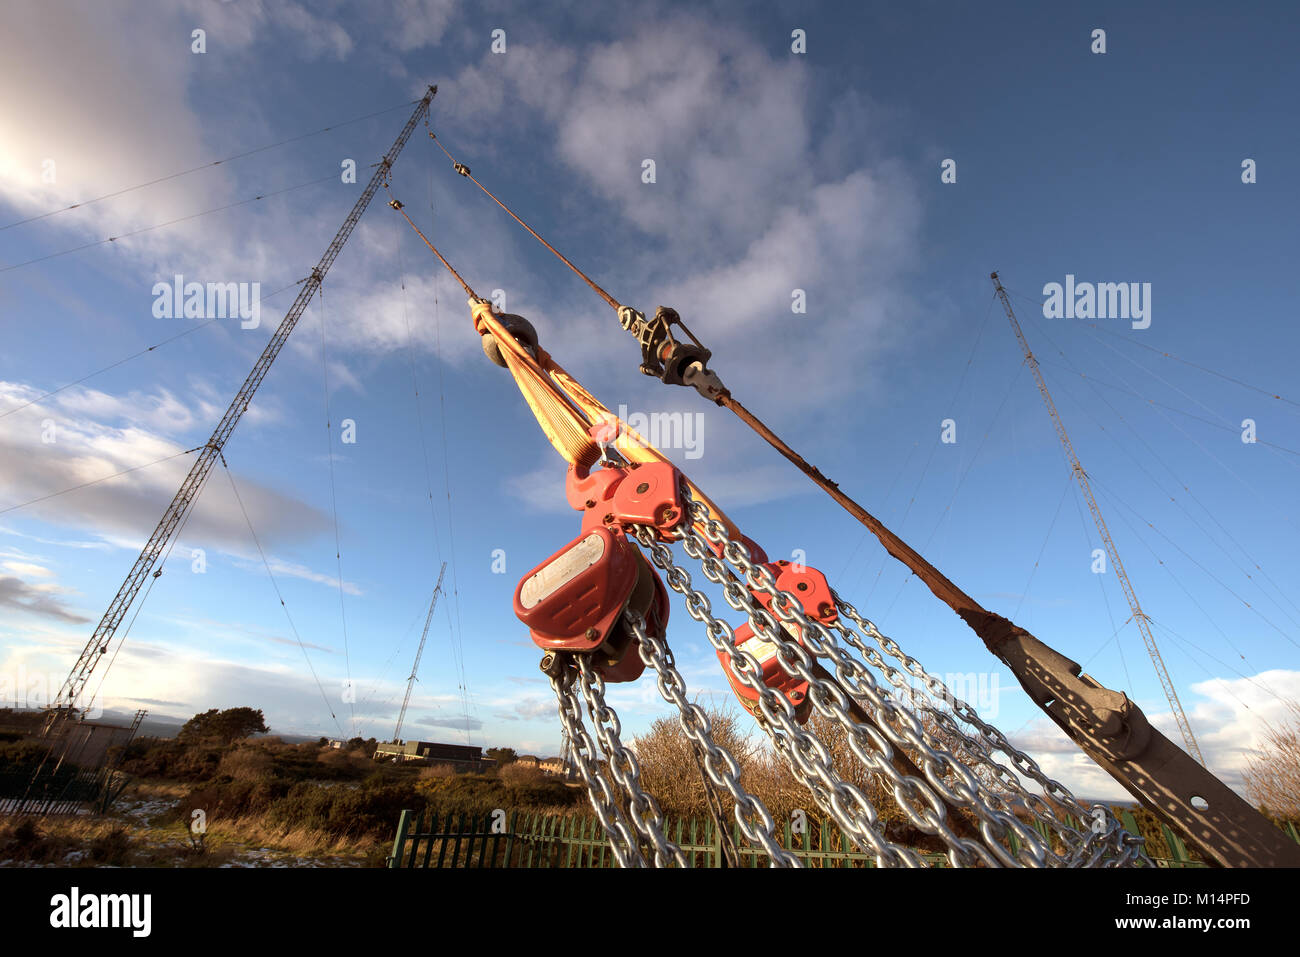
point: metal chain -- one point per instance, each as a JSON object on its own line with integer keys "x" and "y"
{"x": 717, "y": 813}
{"x": 752, "y": 816}
{"x": 926, "y": 803}
{"x": 808, "y": 757}
{"x": 642, "y": 807}
{"x": 947, "y": 755}
{"x": 621, "y": 841}
{"x": 1118, "y": 846}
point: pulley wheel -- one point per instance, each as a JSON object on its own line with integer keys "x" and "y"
{"x": 517, "y": 326}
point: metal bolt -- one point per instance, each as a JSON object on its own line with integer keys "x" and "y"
{"x": 591, "y": 632}
{"x": 802, "y": 586}
{"x": 643, "y": 488}
{"x": 591, "y": 503}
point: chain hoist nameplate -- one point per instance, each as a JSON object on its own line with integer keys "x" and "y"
{"x": 557, "y": 573}
{"x": 572, "y": 601}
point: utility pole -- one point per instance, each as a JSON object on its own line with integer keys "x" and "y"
{"x": 410, "y": 682}
{"x": 174, "y": 516}
{"x": 1139, "y": 617}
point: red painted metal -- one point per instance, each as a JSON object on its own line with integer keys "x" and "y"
{"x": 571, "y": 601}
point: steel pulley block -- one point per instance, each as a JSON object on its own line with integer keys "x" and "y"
{"x": 576, "y": 599}
{"x": 649, "y": 600}
{"x": 794, "y": 688}
{"x": 645, "y": 493}
{"x": 517, "y": 326}
{"x": 810, "y": 588}
{"x": 806, "y": 584}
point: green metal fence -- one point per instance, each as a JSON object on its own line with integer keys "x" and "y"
{"x": 553, "y": 840}
{"x": 523, "y": 839}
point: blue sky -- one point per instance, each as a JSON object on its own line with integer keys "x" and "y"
{"x": 774, "y": 171}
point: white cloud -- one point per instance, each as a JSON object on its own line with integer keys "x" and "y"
{"x": 29, "y": 569}
{"x": 745, "y": 209}
{"x": 121, "y": 509}
{"x": 1228, "y": 720}
{"x": 41, "y": 599}
{"x": 281, "y": 567}
{"x": 412, "y": 24}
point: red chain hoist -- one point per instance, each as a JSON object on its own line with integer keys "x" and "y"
{"x": 576, "y": 599}
{"x": 810, "y": 587}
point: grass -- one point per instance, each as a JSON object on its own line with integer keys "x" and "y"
{"x": 146, "y": 830}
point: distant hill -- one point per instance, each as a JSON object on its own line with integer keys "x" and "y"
{"x": 153, "y": 726}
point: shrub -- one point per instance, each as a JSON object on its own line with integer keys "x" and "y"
{"x": 246, "y": 764}
{"x": 112, "y": 849}
{"x": 515, "y": 774}
{"x": 438, "y": 771}
{"x": 24, "y": 841}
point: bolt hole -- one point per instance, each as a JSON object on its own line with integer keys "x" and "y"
{"x": 1200, "y": 803}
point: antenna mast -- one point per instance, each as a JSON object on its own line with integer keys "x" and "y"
{"x": 1081, "y": 476}
{"x": 410, "y": 682}
{"x": 174, "y": 517}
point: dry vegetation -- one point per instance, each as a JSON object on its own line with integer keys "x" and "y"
{"x": 1272, "y": 776}
{"x": 669, "y": 770}
{"x": 271, "y": 803}
{"x": 265, "y": 802}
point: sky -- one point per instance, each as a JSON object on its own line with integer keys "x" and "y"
{"x": 881, "y": 160}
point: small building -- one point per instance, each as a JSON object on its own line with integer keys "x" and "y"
{"x": 431, "y": 752}
{"x": 552, "y": 765}
{"x": 528, "y": 760}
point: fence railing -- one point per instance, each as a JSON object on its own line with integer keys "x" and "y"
{"x": 531, "y": 840}
{"x": 95, "y": 789}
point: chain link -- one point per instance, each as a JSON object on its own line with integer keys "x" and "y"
{"x": 621, "y": 842}
{"x": 1116, "y": 846}
{"x": 808, "y": 757}
{"x": 924, "y": 808}
{"x": 753, "y": 818}
{"x": 622, "y": 763}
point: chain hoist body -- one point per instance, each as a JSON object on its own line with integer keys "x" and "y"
{"x": 575, "y": 601}
{"x": 814, "y": 593}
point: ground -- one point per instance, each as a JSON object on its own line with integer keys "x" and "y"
{"x": 144, "y": 829}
